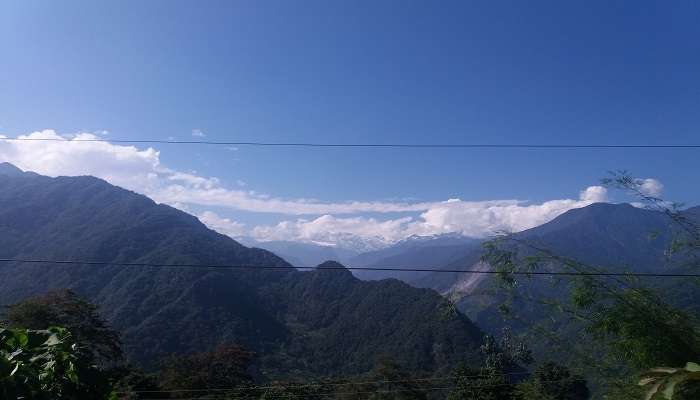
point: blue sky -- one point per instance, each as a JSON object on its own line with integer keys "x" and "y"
{"x": 351, "y": 71}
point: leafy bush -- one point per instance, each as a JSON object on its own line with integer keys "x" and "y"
{"x": 65, "y": 308}
{"x": 553, "y": 382}
{"x": 46, "y": 364}
{"x": 226, "y": 367}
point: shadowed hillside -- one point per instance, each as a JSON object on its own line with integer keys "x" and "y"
{"x": 320, "y": 322}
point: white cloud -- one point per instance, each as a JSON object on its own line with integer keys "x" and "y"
{"x": 251, "y": 201}
{"x": 198, "y": 133}
{"x": 651, "y": 187}
{"x": 479, "y": 219}
{"x": 475, "y": 219}
{"x": 342, "y": 231}
{"x": 125, "y": 166}
{"x": 141, "y": 171}
{"x": 222, "y": 225}
{"x": 594, "y": 194}
{"x": 193, "y": 180}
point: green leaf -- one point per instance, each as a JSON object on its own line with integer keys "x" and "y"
{"x": 647, "y": 380}
{"x": 14, "y": 371}
{"x": 670, "y": 386}
{"x": 693, "y": 367}
{"x": 22, "y": 339}
{"x": 50, "y": 365}
{"x": 652, "y": 391}
{"x": 53, "y": 340}
{"x": 14, "y": 354}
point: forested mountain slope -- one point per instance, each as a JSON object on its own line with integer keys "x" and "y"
{"x": 614, "y": 237}
{"x": 321, "y": 322}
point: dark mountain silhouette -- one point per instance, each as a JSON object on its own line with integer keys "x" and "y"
{"x": 323, "y": 322}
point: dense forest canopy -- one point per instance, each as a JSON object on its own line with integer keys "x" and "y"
{"x": 289, "y": 318}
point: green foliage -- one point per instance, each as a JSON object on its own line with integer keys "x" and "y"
{"x": 392, "y": 382}
{"x": 65, "y": 308}
{"x": 642, "y": 329}
{"x": 388, "y": 380}
{"x": 553, "y": 382}
{"x": 689, "y": 238}
{"x": 505, "y": 354}
{"x": 225, "y": 367}
{"x": 633, "y": 325}
{"x": 47, "y": 364}
{"x": 672, "y": 383}
{"x": 481, "y": 384}
{"x": 132, "y": 384}
{"x": 645, "y": 331}
{"x": 302, "y": 323}
{"x": 340, "y": 325}
{"x": 292, "y": 391}
{"x": 494, "y": 380}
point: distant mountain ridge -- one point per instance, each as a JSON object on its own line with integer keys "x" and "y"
{"x": 316, "y": 323}
{"x": 616, "y": 237}
{"x": 10, "y": 170}
{"x": 303, "y": 254}
{"x": 413, "y": 252}
{"x": 418, "y": 252}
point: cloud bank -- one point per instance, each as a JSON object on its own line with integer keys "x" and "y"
{"x": 474, "y": 219}
{"x": 141, "y": 170}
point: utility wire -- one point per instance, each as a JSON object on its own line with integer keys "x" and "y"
{"x": 257, "y": 388}
{"x": 298, "y": 386}
{"x": 369, "y": 145}
{"x": 343, "y": 268}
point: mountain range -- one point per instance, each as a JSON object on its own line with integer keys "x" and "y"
{"x": 323, "y": 322}
{"x": 613, "y": 237}
{"x": 300, "y": 254}
{"x": 319, "y": 323}
{"x": 417, "y": 252}
{"x": 412, "y": 252}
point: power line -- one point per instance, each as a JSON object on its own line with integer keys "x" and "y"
{"x": 306, "y": 385}
{"x": 369, "y": 145}
{"x": 343, "y": 268}
{"x": 380, "y": 391}
{"x": 257, "y": 388}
